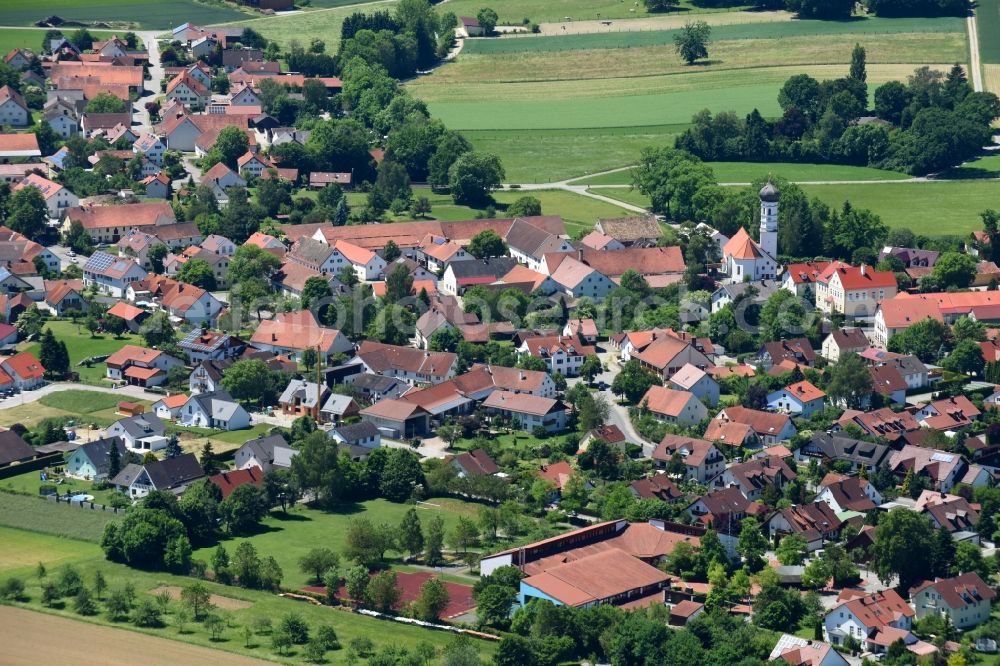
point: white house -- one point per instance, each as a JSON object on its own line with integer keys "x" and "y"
{"x": 57, "y": 197}
{"x": 843, "y": 341}
{"x": 875, "y": 621}
{"x": 696, "y": 381}
{"x": 143, "y": 432}
{"x": 801, "y": 399}
{"x": 13, "y": 111}
{"x": 267, "y": 453}
{"x": 576, "y": 279}
{"x": 214, "y": 410}
{"x": 563, "y": 355}
{"x": 672, "y": 406}
{"x": 368, "y": 265}
{"x": 966, "y": 600}
{"x": 112, "y": 275}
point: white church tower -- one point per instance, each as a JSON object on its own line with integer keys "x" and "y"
{"x": 769, "y": 219}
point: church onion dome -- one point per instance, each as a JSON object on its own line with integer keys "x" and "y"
{"x": 769, "y": 193}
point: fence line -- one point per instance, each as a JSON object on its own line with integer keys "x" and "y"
{"x": 91, "y": 506}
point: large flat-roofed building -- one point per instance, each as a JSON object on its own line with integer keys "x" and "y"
{"x": 606, "y": 563}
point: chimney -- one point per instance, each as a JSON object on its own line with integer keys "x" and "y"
{"x": 521, "y": 377}
{"x": 864, "y": 269}
{"x": 579, "y": 254}
{"x": 274, "y": 337}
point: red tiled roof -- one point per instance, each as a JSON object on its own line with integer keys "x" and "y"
{"x": 231, "y": 480}
{"x": 25, "y": 365}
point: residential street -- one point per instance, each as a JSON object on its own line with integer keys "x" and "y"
{"x": 152, "y": 85}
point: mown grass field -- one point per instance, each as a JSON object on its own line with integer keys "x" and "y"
{"x": 322, "y": 23}
{"x": 933, "y": 208}
{"x": 87, "y": 558}
{"x": 12, "y": 38}
{"x": 746, "y": 172}
{"x": 290, "y": 536}
{"x": 143, "y": 13}
{"x": 81, "y": 402}
{"x": 35, "y": 514}
{"x": 550, "y": 155}
{"x": 871, "y": 27}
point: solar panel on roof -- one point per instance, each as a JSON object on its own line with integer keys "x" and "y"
{"x": 942, "y": 457}
{"x": 100, "y": 261}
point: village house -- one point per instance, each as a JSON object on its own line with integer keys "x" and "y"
{"x": 397, "y": 419}
{"x": 140, "y": 366}
{"x": 357, "y": 435}
{"x": 107, "y": 224}
{"x": 951, "y": 513}
{"x": 291, "y": 333}
{"x": 848, "y": 493}
{"x": 796, "y": 651}
{"x": 130, "y": 314}
{"x": 367, "y": 264}
{"x": 671, "y": 406}
{"x": 770, "y": 428}
{"x": 529, "y": 244}
{"x": 584, "y": 330}
{"x": 172, "y": 474}
{"x": 875, "y": 621}
{"x": 18, "y": 147}
{"x": 895, "y": 315}
{"x": 561, "y": 354}
{"x": 754, "y": 477}
{"x": 948, "y": 415}
{"x": 201, "y": 344}
{"x": 460, "y": 275}
{"x": 843, "y": 341}
{"x": 189, "y": 91}
{"x": 941, "y": 470}
{"x": 229, "y": 481}
{"x": 24, "y": 370}
{"x": 219, "y": 179}
{"x": 527, "y": 412}
{"x": 13, "y": 109}
{"x": 438, "y": 253}
{"x": 696, "y": 381}
{"x": 266, "y": 452}
{"x": 576, "y": 279}
{"x": 157, "y": 186}
{"x": 658, "y": 487}
{"x": 663, "y": 353}
{"x": 91, "y": 461}
{"x": 965, "y": 600}
{"x": 57, "y": 198}
{"x": 473, "y": 463}
{"x": 701, "y": 459}
{"x": 853, "y": 291}
{"x": 302, "y": 398}
{"x": 481, "y": 380}
{"x": 799, "y": 399}
{"x": 62, "y": 296}
{"x": 816, "y": 523}
{"x": 215, "y": 409}
{"x": 142, "y": 432}
{"x": 112, "y": 275}
{"x": 831, "y": 448}
{"x": 883, "y": 422}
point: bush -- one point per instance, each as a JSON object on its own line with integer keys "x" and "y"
{"x": 294, "y": 626}
{"x": 12, "y": 589}
{"x": 147, "y": 614}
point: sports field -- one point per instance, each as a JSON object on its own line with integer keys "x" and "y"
{"x": 142, "y": 13}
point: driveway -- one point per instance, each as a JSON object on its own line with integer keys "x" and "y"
{"x": 152, "y": 86}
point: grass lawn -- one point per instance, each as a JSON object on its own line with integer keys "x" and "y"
{"x": 550, "y": 155}
{"x": 81, "y": 345}
{"x": 322, "y": 23}
{"x": 746, "y": 172}
{"x": 54, "y": 552}
{"x": 81, "y": 402}
{"x": 36, "y": 514}
{"x": 776, "y": 30}
{"x": 625, "y": 194}
{"x": 984, "y": 167}
{"x": 926, "y": 208}
{"x": 223, "y": 442}
{"x": 579, "y": 212}
{"x": 289, "y": 537}
{"x": 142, "y": 13}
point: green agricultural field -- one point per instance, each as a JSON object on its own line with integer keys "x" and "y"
{"x": 933, "y": 208}
{"x": 152, "y": 14}
{"x": 290, "y": 536}
{"x": 646, "y": 61}
{"x": 988, "y": 20}
{"x": 81, "y": 345}
{"x": 745, "y": 172}
{"x": 23, "y": 550}
{"x": 36, "y": 514}
{"x": 240, "y": 607}
{"x": 770, "y": 30}
{"x": 547, "y": 156}
{"x": 14, "y": 38}
{"x": 322, "y": 23}
{"x": 515, "y": 11}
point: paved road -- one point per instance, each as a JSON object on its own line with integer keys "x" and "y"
{"x": 974, "y": 65}
{"x": 152, "y": 86}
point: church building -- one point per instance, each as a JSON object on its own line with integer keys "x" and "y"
{"x": 746, "y": 260}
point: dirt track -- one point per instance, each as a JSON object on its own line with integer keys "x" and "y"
{"x": 32, "y": 638}
{"x": 660, "y": 22}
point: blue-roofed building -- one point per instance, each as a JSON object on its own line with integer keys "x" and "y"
{"x": 111, "y": 274}
{"x": 57, "y": 160}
